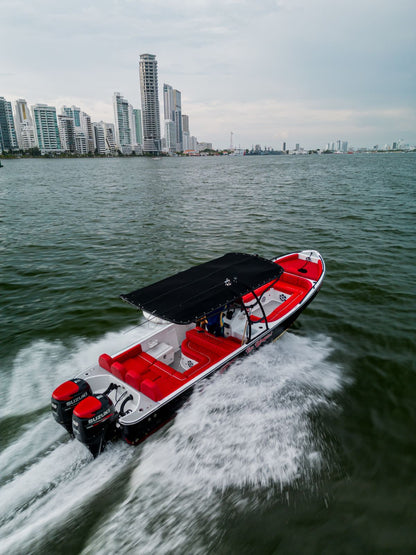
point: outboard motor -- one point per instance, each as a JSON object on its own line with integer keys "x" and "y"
{"x": 65, "y": 397}
{"x": 94, "y": 422}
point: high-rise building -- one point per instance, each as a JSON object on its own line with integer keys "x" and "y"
{"x": 170, "y": 136}
{"x": 132, "y": 125}
{"x": 137, "y": 114}
{"x": 67, "y": 132}
{"x": 173, "y": 113}
{"x": 24, "y": 125}
{"x": 46, "y": 128}
{"x": 123, "y": 123}
{"x": 150, "y": 103}
{"x": 81, "y": 142}
{"x": 83, "y": 135}
{"x": 8, "y": 136}
{"x": 178, "y": 119}
{"x": 86, "y": 127}
{"x": 73, "y": 112}
{"x": 99, "y": 137}
{"x": 168, "y": 108}
{"x": 104, "y": 137}
{"x": 185, "y": 133}
{"x": 110, "y": 137}
{"x": 185, "y": 123}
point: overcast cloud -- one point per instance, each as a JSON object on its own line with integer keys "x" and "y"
{"x": 304, "y": 71}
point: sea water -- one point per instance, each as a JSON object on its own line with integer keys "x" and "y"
{"x": 307, "y": 446}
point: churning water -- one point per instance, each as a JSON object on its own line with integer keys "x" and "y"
{"x": 306, "y": 446}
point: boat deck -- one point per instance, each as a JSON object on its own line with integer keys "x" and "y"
{"x": 158, "y": 370}
{"x": 156, "y": 379}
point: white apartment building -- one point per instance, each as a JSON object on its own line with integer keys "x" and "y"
{"x": 84, "y": 138}
{"x": 104, "y": 137}
{"x": 99, "y": 137}
{"x": 123, "y": 116}
{"x": 150, "y": 104}
{"x": 173, "y": 113}
{"x": 86, "y": 127}
{"x": 137, "y": 114}
{"x": 25, "y": 129}
{"x": 170, "y": 136}
{"x": 67, "y": 132}
{"x": 8, "y": 136}
{"x": 46, "y": 128}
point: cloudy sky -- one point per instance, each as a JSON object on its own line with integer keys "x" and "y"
{"x": 301, "y": 71}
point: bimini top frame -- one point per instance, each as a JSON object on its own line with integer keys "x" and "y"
{"x": 190, "y": 295}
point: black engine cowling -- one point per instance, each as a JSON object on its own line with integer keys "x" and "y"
{"x": 93, "y": 422}
{"x": 65, "y": 398}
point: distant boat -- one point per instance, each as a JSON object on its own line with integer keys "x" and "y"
{"x": 1, "y": 165}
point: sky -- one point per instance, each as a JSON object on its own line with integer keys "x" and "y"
{"x": 268, "y": 71}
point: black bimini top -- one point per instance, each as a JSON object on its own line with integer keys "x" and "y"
{"x": 190, "y": 295}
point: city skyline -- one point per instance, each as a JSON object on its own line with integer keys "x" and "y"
{"x": 285, "y": 71}
{"x": 72, "y": 131}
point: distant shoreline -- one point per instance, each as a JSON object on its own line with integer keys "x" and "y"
{"x": 16, "y": 156}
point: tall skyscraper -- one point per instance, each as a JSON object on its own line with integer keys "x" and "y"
{"x": 170, "y": 136}
{"x": 104, "y": 137}
{"x": 73, "y": 112}
{"x": 99, "y": 137}
{"x": 185, "y": 132}
{"x": 67, "y": 132}
{"x": 138, "y": 125}
{"x": 46, "y": 127}
{"x": 110, "y": 137}
{"x": 185, "y": 123}
{"x": 123, "y": 123}
{"x": 25, "y": 129}
{"x": 86, "y": 127}
{"x": 168, "y": 107}
{"x": 8, "y": 136}
{"x": 173, "y": 113}
{"x": 150, "y": 104}
{"x": 83, "y": 135}
{"x": 177, "y": 98}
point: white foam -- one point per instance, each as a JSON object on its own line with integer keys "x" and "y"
{"x": 53, "y": 489}
{"x": 247, "y": 429}
{"x": 39, "y": 368}
{"x": 39, "y": 434}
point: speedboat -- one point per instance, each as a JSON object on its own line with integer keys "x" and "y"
{"x": 202, "y": 320}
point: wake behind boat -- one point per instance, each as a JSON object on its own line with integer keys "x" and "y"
{"x": 207, "y": 317}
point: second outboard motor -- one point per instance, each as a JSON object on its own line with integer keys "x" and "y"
{"x": 94, "y": 422}
{"x": 65, "y": 397}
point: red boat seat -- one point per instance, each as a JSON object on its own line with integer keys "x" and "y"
{"x": 206, "y": 349}
{"x": 118, "y": 370}
{"x": 203, "y": 359}
{"x": 295, "y": 287}
{"x": 158, "y": 387}
{"x": 105, "y": 361}
{"x": 151, "y": 390}
{"x": 152, "y": 377}
{"x": 219, "y": 346}
{"x": 300, "y": 267}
